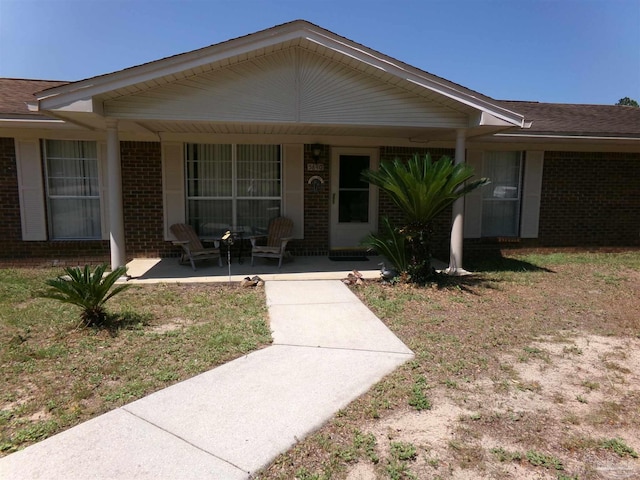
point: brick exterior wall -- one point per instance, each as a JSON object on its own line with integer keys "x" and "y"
{"x": 590, "y": 199}
{"x": 316, "y": 207}
{"x": 142, "y": 200}
{"x": 9, "y": 197}
{"x": 586, "y": 199}
{"x": 16, "y": 251}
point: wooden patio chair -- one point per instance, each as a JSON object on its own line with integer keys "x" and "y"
{"x": 278, "y": 234}
{"x": 192, "y": 249}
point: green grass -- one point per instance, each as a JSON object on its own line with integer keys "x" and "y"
{"x": 56, "y": 375}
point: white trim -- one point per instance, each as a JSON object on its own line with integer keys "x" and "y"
{"x": 173, "y": 186}
{"x": 473, "y": 200}
{"x": 300, "y": 30}
{"x": 531, "y": 193}
{"x": 563, "y": 137}
{"x": 31, "y": 189}
{"x": 344, "y": 235}
{"x": 101, "y": 149}
{"x": 293, "y": 186}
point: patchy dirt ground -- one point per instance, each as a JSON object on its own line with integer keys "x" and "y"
{"x": 578, "y": 381}
{"x": 528, "y": 370}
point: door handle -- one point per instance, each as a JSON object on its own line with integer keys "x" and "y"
{"x": 333, "y": 199}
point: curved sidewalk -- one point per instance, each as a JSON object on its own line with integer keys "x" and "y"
{"x": 231, "y": 421}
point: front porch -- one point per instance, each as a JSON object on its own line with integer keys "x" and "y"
{"x": 169, "y": 270}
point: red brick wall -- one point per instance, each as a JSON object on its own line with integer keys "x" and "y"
{"x": 9, "y": 200}
{"x": 316, "y": 207}
{"x": 590, "y": 199}
{"x": 14, "y": 250}
{"x": 142, "y": 200}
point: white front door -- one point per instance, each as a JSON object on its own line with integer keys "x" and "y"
{"x": 354, "y": 203}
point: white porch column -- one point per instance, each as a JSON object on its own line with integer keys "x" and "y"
{"x": 116, "y": 215}
{"x": 457, "y": 229}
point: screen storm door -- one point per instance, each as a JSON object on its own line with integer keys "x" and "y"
{"x": 354, "y": 209}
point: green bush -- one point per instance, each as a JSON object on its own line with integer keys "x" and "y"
{"x": 390, "y": 243}
{"x": 87, "y": 290}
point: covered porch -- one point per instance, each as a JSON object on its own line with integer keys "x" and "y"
{"x": 291, "y": 88}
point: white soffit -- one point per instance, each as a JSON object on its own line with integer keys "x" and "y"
{"x": 288, "y": 86}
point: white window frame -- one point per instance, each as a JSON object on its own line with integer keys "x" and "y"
{"x": 234, "y": 197}
{"x": 49, "y": 196}
{"x": 517, "y": 199}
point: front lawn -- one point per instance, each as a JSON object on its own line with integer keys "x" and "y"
{"x": 56, "y": 374}
{"x": 529, "y": 369}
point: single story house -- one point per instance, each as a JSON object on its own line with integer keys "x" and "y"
{"x": 281, "y": 122}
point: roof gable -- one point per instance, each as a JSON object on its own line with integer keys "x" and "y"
{"x": 290, "y": 85}
{"x": 298, "y": 33}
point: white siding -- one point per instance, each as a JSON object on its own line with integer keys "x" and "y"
{"x": 31, "y": 190}
{"x": 293, "y": 187}
{"x": 473, "y": 200}
{"x": 292, "y": 85}
{"x": 531, "y": 192}
{"x": 173, "y": 194}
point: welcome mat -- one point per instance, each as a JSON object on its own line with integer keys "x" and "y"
{"x": 349, "y": 258}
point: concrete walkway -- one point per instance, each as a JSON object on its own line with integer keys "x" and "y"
{"x": 235, "y": 419}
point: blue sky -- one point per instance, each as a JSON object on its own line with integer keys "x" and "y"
{"x": 570, "y": 51}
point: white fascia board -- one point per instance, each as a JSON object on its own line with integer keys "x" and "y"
{"x": 415, "y": 76}
{"x": 84, "y": 89}
{"x": 67, "y": 94}
{"x": 565, "y": 137}
{"x": 491, "y": 120}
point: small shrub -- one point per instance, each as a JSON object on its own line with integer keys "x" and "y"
{"x": 87, "y": 290}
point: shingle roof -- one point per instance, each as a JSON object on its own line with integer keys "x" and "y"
{"x": 577, "y": 119}
{"x": 546, "y": 118}
{"x": 15, "y": 92}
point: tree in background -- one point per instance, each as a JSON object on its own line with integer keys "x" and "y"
{"x": 629, "y": 102}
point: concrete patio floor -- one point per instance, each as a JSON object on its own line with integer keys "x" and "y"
{"x": 169, "y": 270}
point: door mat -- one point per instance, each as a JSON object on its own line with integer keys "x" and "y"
{"x": 350, "y": 258}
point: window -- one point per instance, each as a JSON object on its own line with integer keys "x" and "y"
{"x": 73, "y": 189}
{"x": 232, "y": 186}
{"x": 501, "y": 198}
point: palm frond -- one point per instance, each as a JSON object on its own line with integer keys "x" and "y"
{"x": 86, "y": 289}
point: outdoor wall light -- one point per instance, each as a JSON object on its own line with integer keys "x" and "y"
{"x": 316, "y": 151}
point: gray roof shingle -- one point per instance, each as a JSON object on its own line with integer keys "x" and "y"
{"x": 15, "y": 92}
{"x": 547, "y": 118}
{"x": 577, "y": 119}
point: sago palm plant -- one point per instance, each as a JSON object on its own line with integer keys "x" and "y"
{"x": 422, "y": 189}
{"x": 87, "y": 290}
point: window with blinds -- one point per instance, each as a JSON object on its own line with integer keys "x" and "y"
{"x": 502, "y": 197}
{"x": 73, "y": 189}
{"x": 235, "y": 187}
